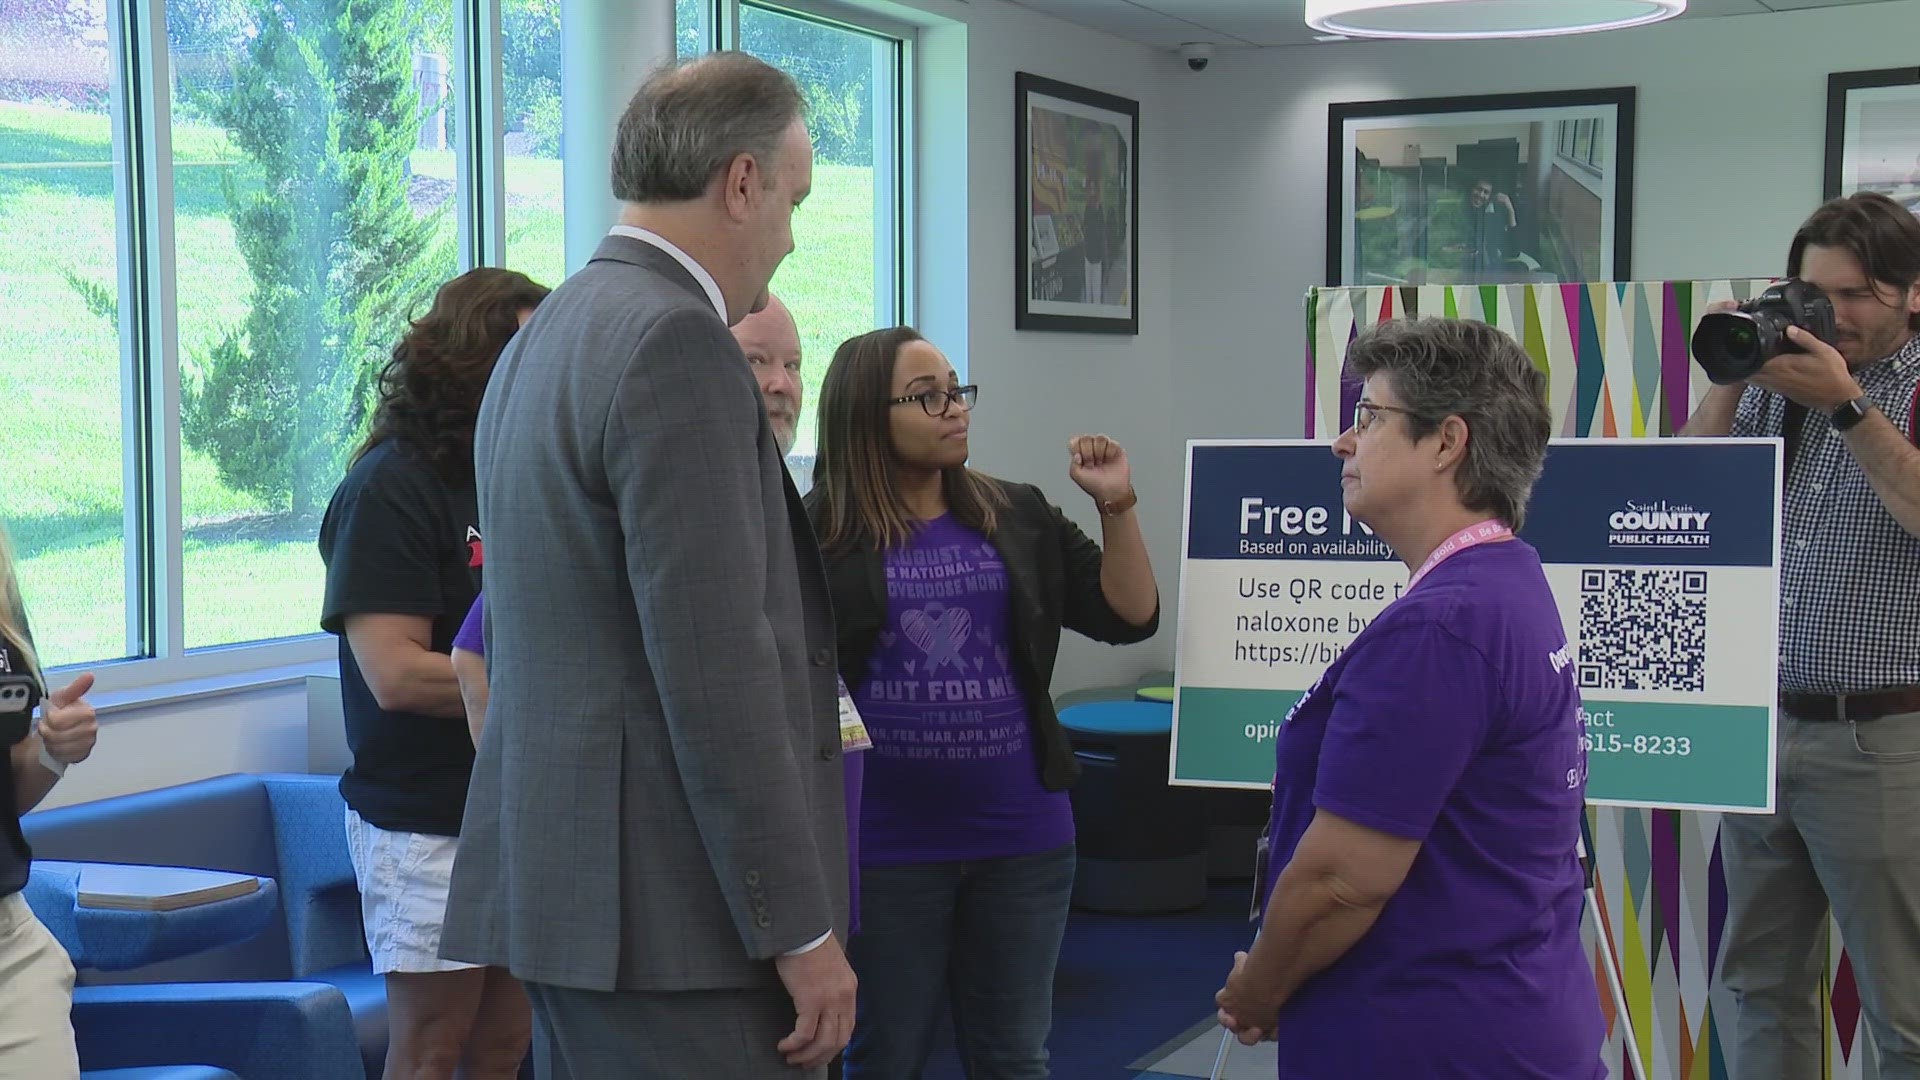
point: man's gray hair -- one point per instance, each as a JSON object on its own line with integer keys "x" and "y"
{"x": 690, "y": 120}
{"x": 1466, "y": 368}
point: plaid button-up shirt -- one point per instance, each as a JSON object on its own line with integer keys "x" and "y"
{"x": 1849, "y": 573}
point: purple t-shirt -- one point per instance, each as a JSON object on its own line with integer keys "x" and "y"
{"x": 955, "y": 774}
{"x": 1452, "y": 719}
{"x": 469, "y": 638}
{"x": 854, "y": 764}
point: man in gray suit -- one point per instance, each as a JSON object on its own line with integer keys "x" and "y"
{"x": 655, "y": 834}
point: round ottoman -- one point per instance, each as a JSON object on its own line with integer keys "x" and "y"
{"x": 1142, "y": 843}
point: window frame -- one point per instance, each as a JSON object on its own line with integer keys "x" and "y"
{"x": 893, "y": 158}
{"x": 157, "y": 665}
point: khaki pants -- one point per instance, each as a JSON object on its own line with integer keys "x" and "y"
{"x": 36, "y": 999}
{"x": 1846, "y": 837}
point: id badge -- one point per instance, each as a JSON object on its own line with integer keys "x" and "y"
{"x": 853, "y": 730}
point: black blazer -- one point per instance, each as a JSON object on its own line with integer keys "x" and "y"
{"x": 1053, "y": 573}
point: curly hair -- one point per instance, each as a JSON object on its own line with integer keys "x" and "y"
{"x": 429, "y": 392}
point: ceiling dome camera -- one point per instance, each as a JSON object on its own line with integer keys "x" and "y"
{"x": 1197, "y": 54}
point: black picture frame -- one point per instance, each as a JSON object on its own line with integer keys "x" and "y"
{"x": 1571, "y": 216}
{"x": 1893, "y": 169}
{"x": 1081, "y": 142}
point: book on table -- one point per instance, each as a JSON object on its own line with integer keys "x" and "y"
{"x": 158, "y": 888}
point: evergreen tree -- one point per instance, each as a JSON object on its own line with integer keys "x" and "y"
{"x": 326, "y": 113}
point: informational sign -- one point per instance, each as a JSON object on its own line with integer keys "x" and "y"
{"x": 1663, "y": 556}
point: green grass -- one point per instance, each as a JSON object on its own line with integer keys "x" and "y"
{"x": 246, "y": 577}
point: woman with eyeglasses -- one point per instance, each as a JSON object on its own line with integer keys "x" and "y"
{"x": 950, "y": 589}
{"x": 1421, "y": 907}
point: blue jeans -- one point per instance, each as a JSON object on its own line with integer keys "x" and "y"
{"x": 988, "y": 933}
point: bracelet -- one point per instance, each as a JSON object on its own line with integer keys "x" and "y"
{"x": 1120, "y": 506}
{"x": 47, "y": 761}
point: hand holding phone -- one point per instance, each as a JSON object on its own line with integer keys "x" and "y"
{"x": 19, "y": 695}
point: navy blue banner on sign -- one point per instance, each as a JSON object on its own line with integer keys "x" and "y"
{"x": 1242, "y": 508}
{"x": 1664, "y": 505}
{"x": 1669, "y": 508}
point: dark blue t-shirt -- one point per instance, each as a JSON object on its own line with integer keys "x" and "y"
{"x": 398, "y": 539}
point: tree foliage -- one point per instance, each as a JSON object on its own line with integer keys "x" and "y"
{"x": 325, "y": 113}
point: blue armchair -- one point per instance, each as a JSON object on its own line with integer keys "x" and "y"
{"x": 296, "y": 1000}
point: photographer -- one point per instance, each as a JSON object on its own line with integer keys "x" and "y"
{"x": 1847, "y": 831}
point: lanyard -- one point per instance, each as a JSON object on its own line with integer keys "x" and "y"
{"x": 1483, "y": 532}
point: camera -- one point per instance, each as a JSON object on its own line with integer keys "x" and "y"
{"x": 1731, "y": 345}
{"x": 1197, "y": 54}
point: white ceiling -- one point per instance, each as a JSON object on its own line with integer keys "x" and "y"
{"x": 1266, "y": 23}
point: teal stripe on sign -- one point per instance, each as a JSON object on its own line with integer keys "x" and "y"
{"x": 1214, "y": 746}
{"x": 1630, "y": 758}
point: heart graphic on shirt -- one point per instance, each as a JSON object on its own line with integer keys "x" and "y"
{"x": 1000, "y": 656}
{"x": 912, "y": 666}
{"x": 985, "y": 634}
{"x": 939, "y": 631}
{"x": 887, "y": 638}
{"x": 979, "y": 663}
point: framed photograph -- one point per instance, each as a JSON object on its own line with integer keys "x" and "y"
{"x": 1076, "y": 208}
{"x": 1873, "y": 134}
{"x": 1481, "y": 190}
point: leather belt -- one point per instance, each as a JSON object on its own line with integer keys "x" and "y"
{"x": 1871, "y": 705}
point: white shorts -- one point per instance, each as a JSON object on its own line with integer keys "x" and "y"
{"x": 403, "y": 879}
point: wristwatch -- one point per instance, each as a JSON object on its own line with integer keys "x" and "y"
{"x": 1850, "y": 413}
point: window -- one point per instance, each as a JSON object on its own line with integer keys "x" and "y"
{"x": 62, "y": 443}
{"x": 530, "y": 47}
{"x": 313, "y": 179}
{"x": 214, "y": 238}
{"x": 846, "y": 275}
{"x": 693, "y": 25}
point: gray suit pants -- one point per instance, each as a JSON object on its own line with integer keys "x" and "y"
{"x": 1847, "y": 835}
{"x": 688, "y": 1035}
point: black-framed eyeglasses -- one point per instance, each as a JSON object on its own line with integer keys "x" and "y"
{"x": 939, "y": 402}
{"x": 1364, "y": 413}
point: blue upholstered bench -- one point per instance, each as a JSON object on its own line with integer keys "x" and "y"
{"x": 296, "y": 999}
{"x": 162, "y": 1073}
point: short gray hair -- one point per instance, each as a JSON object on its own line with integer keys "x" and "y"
{"x": 1466, "y": 368}
{"x": 689, "y": 120}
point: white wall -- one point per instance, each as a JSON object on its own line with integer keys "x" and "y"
{"x": 1039, "y": 388}
{"x": 262, "y": 730}
{"x": 1729, "y": 148}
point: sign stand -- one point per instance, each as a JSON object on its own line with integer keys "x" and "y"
{"x": 1609, "y": 961}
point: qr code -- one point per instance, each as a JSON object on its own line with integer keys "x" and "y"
{"x": 1643, "y": 629}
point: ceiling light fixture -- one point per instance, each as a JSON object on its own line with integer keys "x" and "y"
{"x": 1456, "y": 19}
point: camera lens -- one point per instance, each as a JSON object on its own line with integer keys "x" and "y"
{"x": 1730, "y": 346}
{"x": 1741, "y": 342}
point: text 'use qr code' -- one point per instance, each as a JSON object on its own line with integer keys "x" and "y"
{"x": 1643, "y": 629}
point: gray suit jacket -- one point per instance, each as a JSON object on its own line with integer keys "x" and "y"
{"x": 657, "y": 800}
